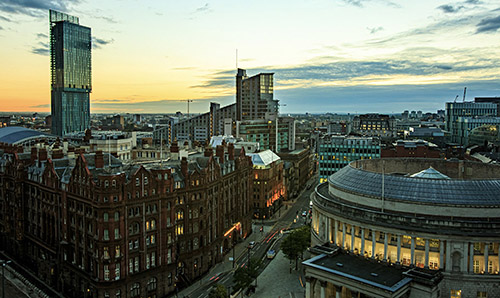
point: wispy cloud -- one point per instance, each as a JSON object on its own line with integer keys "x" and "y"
{"x": 447, "y": 8}
{"x": 358, "y": 3}
{"x": 375, "y": 29}
{"x": 97, "y": 43}
{"x": 488, "y": 25}
{"x": 5, "y": 19}
{"x": 203, "y": 9}
{"x": 42, "y": 48}
{"x": 42, "y": 35}
{"x": 41, "y": 106}
{"x": 34, "y": 8}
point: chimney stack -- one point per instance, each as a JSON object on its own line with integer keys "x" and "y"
{"x": 34, "y": 154}
{"x": 184, "y": 168}
{"x": 219, "y": 151}
{"x": 42, "y": 155}
{"x": 230, "y": 151}
{"x": 57, "y": 154}
{"x": 208, "y": 151}
{"x": 99, "y": 159}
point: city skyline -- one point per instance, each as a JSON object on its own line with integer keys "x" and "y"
{"x": 327, "y": 56}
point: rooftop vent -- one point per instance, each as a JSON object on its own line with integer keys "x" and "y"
{"x": 374, "y": 274}
{"x": 340, "y": 265}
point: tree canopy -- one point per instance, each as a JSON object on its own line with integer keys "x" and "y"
{"x": 296, "y": 242}
{"x": 218, "y": 291}
{"x": 244, "y": 276}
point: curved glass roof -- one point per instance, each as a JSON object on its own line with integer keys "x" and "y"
{"x": 430, "y": 173}
{"x": 17, "y": 134}
{"x": 435, "y": 191}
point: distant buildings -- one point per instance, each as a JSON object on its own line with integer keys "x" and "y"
{"x": 375, "y": 125}
{"x": 336, "y": 151}
{"x": 71, "y": 82}
{"x": 462, "y": 117}
{"x": 411, "y": 148}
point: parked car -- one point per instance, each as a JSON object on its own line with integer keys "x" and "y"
{"x": 271, "y": 254}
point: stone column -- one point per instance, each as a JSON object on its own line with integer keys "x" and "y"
{"x": 412, "y": 259}
{"x": 328, "y": 230}
{"x": 338, "y": 291}
{"x": 335, "y": 241}
{"x": 309, "y": 291}
{"x": 399, "y": 250}
{"x": 323, "y": 289}
{"x": 471, "y": 258}
{"x": 373, "y": 244}
{"x": 343, "y": 235}
{"x": 448, "y": 265}
{"x": 362, "y": 252}
{"x": 352, "y": 238}
{"x": 441, "y": 254}
{"x": 486, "y": 258}
{"x": 386, "y": 241}
{"x": 426, "y": 264}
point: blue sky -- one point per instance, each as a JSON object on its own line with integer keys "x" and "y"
{"x": 327, "y": 56}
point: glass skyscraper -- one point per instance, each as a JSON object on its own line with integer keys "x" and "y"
{"x": 71, "y": 82}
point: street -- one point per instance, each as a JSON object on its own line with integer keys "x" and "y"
{"x": 269, "y": 238}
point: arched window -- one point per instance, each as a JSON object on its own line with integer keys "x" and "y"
{"x": 152, "y": 284}
{"x": 135, "y": 290}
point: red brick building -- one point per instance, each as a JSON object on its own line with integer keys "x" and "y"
{"x": 411, "y": 148}
{"x": 93, "y": 229}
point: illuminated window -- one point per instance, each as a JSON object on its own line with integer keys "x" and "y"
{"x": 456, "y": 294}
{"x": 106, "y": 272}
{"x": 476, "y": 266}
{"x": 105, "y": 252}
{"x": 482, "y": 294}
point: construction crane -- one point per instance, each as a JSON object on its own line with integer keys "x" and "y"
{"x": 188, "y": 101}
{"x": 465, "y": 90}
{"x": 455, "y": 99}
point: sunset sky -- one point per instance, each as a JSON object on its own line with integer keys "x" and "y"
{"x": 327, "y": 55}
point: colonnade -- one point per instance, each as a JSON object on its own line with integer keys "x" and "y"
{"x": 410, "y": 250}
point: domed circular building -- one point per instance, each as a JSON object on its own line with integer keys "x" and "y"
{"x": 417, "y": 213}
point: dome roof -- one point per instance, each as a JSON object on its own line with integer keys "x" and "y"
{"x": 17, "y": 134}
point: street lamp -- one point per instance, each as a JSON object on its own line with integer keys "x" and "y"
{"x": 4, "y": 263}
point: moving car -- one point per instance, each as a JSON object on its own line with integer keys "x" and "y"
{"x": 271, "y": 254}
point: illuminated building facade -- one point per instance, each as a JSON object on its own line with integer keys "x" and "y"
{"x": 71, "y": 77}
{"x": 433, "y": 214}
{"x": 255, "y": 96}
{"x": 93, "y": 228}
{"x": 268, "y": 183}
{"x": 375, "y": 125}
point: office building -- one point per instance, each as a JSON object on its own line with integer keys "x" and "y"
{"x": 264, "y": 132}
{"x": 70, "y": 65}
{"x": 337, "y": 151}
{"x": 432, "y": 214}
{"x": 456, "y": 110}
{"x": 255, "y": 97}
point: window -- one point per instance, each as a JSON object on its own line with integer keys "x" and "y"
{"x": 117, "y": 271}
{"x": 105, "y": 252}
{"x": 179, "y": 229}
{"x": 117, "y": 251}
{"x": 106, "y": 272}
{"x": 482, "y": 294}
{"x": 152, "y": 284}
{"x": 106, "y": 234}
{"x": 180, "y": 215}
{"x": 153, "y": 259}
{"x": 105, "y": 216}
{"x": 136, "y": 264}
{"x": 476, "y": 266}
{"x": 130, "y": 265}
{"x": 117, "y": 216}
{"x": 135, "y": 290}
{"x": 456, "y": 294}
{"x": 117, "y": 233}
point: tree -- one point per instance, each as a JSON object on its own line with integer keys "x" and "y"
{"x": 244, "y": 276}
{"x": 297, "y": 241}
{"x": 218, "y": 291}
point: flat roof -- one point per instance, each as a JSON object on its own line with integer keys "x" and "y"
{"x": 362, "y": 270}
